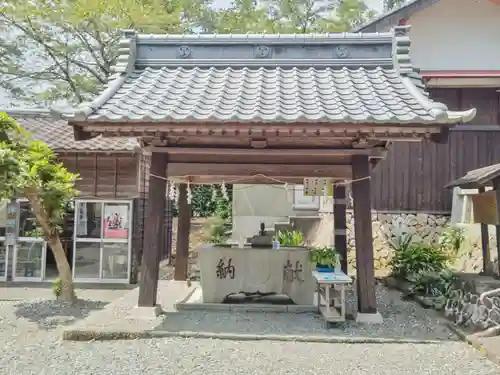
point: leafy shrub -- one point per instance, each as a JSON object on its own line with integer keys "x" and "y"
{"x": 452, "y": 239}
{"x": 217, "y": 231}
{"x": 414, "y": 258}
{"x": 433, "y": 284}
{"x": 56, "y": 287}
{"x": 290, "y": 238}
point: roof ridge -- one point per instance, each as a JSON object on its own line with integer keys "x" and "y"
{"x": 32, "y": 112}
{"x": 269, "y": 39}
{"x": 412, "y": 80}
{"x": 127, "y": 49}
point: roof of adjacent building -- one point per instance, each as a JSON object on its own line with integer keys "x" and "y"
{"x": 331, "y": 78}
{"x": 477, "y": 178}
{"x": 59, "y": 135}
{"x": 392, "y": 18}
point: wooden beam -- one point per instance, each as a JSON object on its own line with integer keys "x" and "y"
{"x": 153, "y": 226}
{"x": 367, "y": 303}
{"x": 278, "y": 170}
{"x": 340, "y": 223}
{"x": 496, "y": 187}
{"x": 256, "y": 180}
{"x": 377, "y": 152}
{"x": 485, "y": 244}
{"x": 183, "y": 227}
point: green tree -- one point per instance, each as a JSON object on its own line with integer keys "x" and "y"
{"x": 290, "y": 16}
{"x": 64, "y": 50}
{"x": 29, "y": 169}
{"x": 348, "y": 15}
{"x": 243, "y": 16}
{"x": 391, "y": 4}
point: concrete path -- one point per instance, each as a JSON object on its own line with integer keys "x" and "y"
{"x": 30, "y": 332}
{"x": 403, "y": 321}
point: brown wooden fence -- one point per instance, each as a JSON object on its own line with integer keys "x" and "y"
{"x": 413, "y": 176}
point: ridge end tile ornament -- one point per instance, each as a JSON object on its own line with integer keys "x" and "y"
{"x": 341, "y": 52}
{"x": 262, "y": 52}
{"x": 185, "y": 52}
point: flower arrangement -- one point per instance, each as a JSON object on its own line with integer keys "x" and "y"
{"x": 325, "y": 258}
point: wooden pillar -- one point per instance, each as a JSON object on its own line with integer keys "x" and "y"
{"x": 183, "y": 227}
{"x": 340, "y": 223}
{"x": 496, "y": 187}
{"x": 485, "y": 244}
{"x": 153, "y": 230}
{"x": 363, "y": 234}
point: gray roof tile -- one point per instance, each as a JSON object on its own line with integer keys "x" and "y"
{"x": 333, "y": 78}
{"x": 59, "y": 135}
{"x": 264, "y": 95}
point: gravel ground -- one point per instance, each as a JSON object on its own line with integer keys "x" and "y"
{"x": 31, "y": 329}
{"x": 402, "y": 319}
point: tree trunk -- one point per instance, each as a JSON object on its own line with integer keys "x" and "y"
{"x": 52, "y": 237}
{"x": 67, "y": 290}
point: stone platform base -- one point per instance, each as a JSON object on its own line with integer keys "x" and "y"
{"x": 276, "y": 304}
{"x": 374, "y": 318}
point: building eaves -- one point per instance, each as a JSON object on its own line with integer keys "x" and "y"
{"x": 392, "y": 18}
{"x": 58, "y": 135}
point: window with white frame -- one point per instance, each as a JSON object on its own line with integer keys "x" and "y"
{"x": 3, "y": 246}
{"x": 304, "y": 202}
{"x": 102, "y": 240}
{"x": 30, "y": 250}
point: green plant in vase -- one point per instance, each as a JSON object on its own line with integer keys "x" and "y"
{"x": 290, "y": 238}
{"x": 324, "y": 258}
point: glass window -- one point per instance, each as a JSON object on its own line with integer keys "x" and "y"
{"x": 3, "y": 218}
{"x": 87, "y": 260}
{"x": 115, "y": 260}
{"x": 89, "y": 220}
{"x": 116, "y": 223}
{"x": 3, "y": 259}
{"x": 27, "y": 221}
{"x": 29, "y": 259}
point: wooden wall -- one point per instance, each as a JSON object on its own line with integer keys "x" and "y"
{"x": 118, "y": 176}
{"x": 413, "y": 176}
{"x": 104, "y": 176}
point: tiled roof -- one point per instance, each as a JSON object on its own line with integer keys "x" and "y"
{"x": 477, "y": 177}
{"x": 266, "y": 95}
{"x": 332, "y": 78}
{"x": 59, "y": 135}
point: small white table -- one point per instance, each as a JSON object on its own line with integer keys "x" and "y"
{"x": 331, "y": 288}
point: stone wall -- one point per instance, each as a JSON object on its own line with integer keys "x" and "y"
{"x": 464, "y": 307}
{"x": 424, "y": 227}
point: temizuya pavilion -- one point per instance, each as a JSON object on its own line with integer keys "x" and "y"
{"x": 217, "y": 107}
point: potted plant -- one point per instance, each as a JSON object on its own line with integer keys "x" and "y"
{"x": 324, "y": 258}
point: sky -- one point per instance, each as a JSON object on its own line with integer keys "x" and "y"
{"x": 374, "y": 4}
